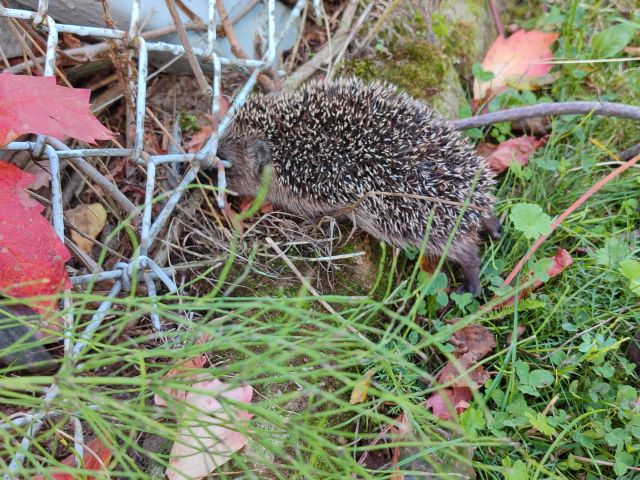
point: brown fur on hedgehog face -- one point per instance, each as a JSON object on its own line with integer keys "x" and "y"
{"x": 248, "y": 157}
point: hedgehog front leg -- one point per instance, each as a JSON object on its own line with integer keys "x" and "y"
{"x": 467, "y": 256}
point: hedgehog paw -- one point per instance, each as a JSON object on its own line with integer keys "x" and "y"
{"x": 471, "y": 286}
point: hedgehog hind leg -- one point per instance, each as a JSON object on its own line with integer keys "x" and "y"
{"x": 466, "y": 254}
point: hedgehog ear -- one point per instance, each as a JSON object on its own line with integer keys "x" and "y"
{"x": 260, "y": 151}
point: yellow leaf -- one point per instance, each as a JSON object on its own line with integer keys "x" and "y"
{"x": 359, "y": 393}
{"x": 90, "y": 220}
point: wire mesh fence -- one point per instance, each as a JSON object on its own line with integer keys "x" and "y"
{"x": 140, "y": 266}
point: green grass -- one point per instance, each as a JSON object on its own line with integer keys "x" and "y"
{"x": 303, "y": 361}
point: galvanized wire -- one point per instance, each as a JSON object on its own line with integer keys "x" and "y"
{"x": 54, "y": 150}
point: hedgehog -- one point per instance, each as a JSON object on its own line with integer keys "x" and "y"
{"x": 365, "y": 151}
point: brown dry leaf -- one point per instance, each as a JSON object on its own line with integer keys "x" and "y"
{"x": 40, "y": 171}
{"x": 472, "y": 343}
{"x": 475, "y": 339}
{"x": 450, "y": 373}
{"x": 428, "y": 264}
{"x": 70, "y": 40}
{"x": 359, "y": 393}
{"x": 90, "y": 220}
{"x": 206, "y": 441}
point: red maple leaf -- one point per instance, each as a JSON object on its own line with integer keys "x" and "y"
{"x": 32, "y": 257}
{"x": 96, "y": 457}
{"x": 38, "y": 105}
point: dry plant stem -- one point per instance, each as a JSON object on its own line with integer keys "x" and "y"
{"x": 80, "y": 254}
{"x": 597, "y": 186}
{"x": 630, "y": 153}
{"x": 354, "y": 31}
{"x": 301, "y": 277}
{"x": 88, "y": 52}
{"x": 383, "y": 18}
{"x": 496, "y": 17}
{"x": 604, "y": 463}
{"x": 193, "y": 61}
{"x": 607, "y": 109}
{"x": 265, "y": 82}
{"x": 189, "y": 13}
{"x": 97, "y": 177}
{"x": 5, "y": 60}
{"x": 325, "y": 53}
{"x": 312, "y": 290}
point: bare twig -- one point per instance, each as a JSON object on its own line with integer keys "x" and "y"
{"x": 189, "y": 13}
{"x": 354, "y": 31}
{"x": 496, "y": 17}
{"x": 88, "y": 52}
{"x": 108, "y": 187}
{"x": 301, "y": 277}
{"x": 236, "y": 49}
{"x": 381, "y": 21}
{"x": 193, "y": 61}
{"x": 597, "y": 186}
{"x": 325, "y": 54}
{"x": 630, "y": 153}
{"x": 604, "y": 463}
{"x": 607, "y": 109}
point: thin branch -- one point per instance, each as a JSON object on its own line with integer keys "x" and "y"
{"x": 629, "y": 153}
{"x": 604, "y": 463}
{"x": 496, "y": 17}
{"x": 607, "y": 109}
{"x": 189, "y": 13}
{"x": 325, "y": 54}
{"x": 108, "y": 187}
{"x": 585, "y": 196}
{"x": 301, "y": 277}
{"x": 236, "y": 49}
{"x": 193, "y": 61}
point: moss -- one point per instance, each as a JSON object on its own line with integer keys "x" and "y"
{"x": 417, "y": 67}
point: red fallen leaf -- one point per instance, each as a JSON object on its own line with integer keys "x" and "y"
{"x": 517, "y": 61}
{"x": 38, "y": 105}
{"x": 32, "y": 257}
{"x": 472, "y": 343}
{"x": 442, "y": 403}
{"x": 513, "y": 150}
{"x": 182, "y": 369}
{"x": 208, "y": 440}
{"x": 94, "y": 448}
{"x": 561, "y": 260}
{"x": 198, "y": 139}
